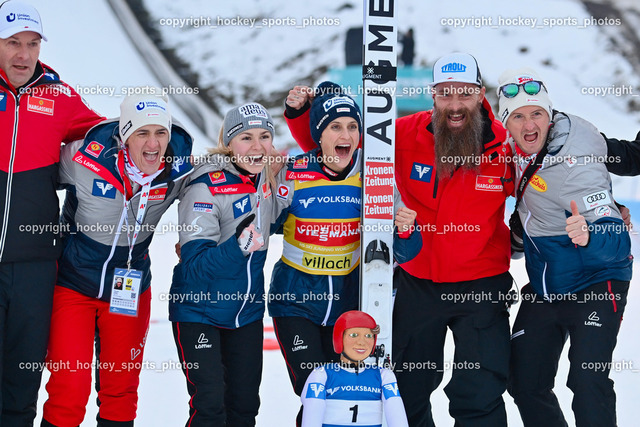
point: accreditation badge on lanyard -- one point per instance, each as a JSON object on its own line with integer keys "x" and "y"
{"x": 125, "y": 290}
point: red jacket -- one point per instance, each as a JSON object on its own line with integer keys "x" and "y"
{"x": 33, "y": 124}
{"x": 464, "y": 235}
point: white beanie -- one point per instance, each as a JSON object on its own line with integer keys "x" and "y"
{"x": 137, "y": 111}
{"x": 522, "y": 99}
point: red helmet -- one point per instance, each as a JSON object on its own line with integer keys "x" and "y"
{"x": 353, "y": 319}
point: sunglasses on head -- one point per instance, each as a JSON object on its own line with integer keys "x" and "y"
{"x": 532, "y": 87}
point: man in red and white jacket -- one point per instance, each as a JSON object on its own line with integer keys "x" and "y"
{"x": 38, "y": 112}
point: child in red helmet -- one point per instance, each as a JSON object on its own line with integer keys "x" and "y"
{"x": 352, "y": 393}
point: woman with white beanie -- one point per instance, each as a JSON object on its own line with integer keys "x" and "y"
{"x": 119, "y": 180}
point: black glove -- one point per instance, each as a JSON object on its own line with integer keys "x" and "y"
{"x": 244, "y": 224}
{"x": 517, "y": 231}
{"x": 292, "y": 113}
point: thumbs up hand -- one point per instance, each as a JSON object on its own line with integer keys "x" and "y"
{"x": 577, "y": 226}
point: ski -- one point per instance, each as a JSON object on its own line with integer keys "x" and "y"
{"x": 379, "y": 110}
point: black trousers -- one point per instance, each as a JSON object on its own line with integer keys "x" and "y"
{"x": 223, "y": 369}
{"x": 592, "y": 319}
{"x": 26, "y": 298}
{"x": 305, "y": 346}
{"x": 477, "y": 313}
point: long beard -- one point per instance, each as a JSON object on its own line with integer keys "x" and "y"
{"x": 461, "y": 148}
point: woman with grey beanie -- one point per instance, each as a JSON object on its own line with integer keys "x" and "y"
{"x": 217, "y": 293}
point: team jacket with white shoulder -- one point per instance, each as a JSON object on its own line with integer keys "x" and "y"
{"x": 336, "y": 395}
{"x": 92, "y": 172}
{"x": 317, "y": 276}
{"x": 216, "y": 283}
{"x": 33, "y": 124}
{"x": 573, "y": 170}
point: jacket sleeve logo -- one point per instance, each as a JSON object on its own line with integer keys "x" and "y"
{"x": 94, "y": 149}
{"x": 315, "y": 391}
{"x": 217, "y": 177}
{"x": 283, "y": 192}
{"x": 421, "y": 172}
{"x": 391, "y": 390}
{"x": 203, "y": 207}
{"x": 594, "y": 200}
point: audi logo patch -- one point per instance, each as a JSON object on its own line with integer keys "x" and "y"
{"x": 601, "y": 198}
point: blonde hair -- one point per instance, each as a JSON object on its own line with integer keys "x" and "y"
{"x": 226, "y": 150}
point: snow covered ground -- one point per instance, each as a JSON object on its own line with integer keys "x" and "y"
{"x": 164, "y": 399}
{"x": 89, "y": 50}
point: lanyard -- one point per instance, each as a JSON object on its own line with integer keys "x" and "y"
{"x": 127, "y": 199}
{"x": 142, "y": 208}
{"x": 128, "y": 188}
{"x": 529, "y": 171}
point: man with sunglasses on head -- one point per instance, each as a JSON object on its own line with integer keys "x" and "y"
{"x": 38, "y": 111}
{"x": 577, "y": 251}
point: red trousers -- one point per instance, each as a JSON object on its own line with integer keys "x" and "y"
{"x": 76, "y": 321}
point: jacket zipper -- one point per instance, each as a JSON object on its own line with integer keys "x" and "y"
{"x": 435, "y": 185}
{"x": 7, "y": 199}
{"x": 258, "y": 215}
{"x": 248, "y": 290}
{"x": 544, "y": 271}
{"x": 246, "y": 295}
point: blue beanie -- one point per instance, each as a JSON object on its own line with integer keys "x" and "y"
{"x": 331, "y": 102}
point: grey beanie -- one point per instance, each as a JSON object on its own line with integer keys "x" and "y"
{"x": 245, "y": 117}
